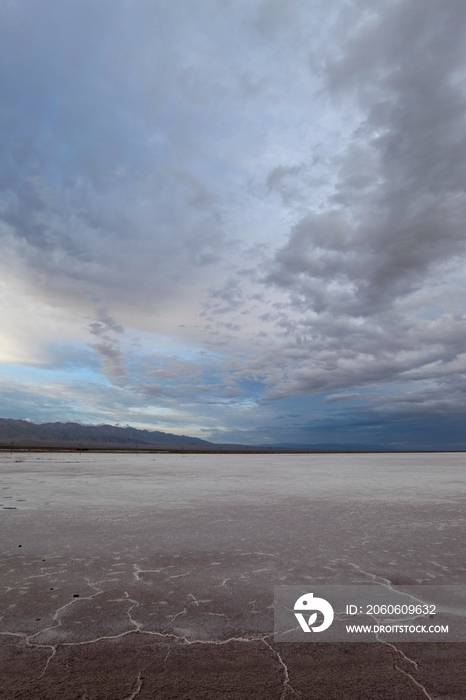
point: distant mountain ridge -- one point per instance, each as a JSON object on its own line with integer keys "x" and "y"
{"x": 24, "y": 433}
{"x": 336, "y": 446}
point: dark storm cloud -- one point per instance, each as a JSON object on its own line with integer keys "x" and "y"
{"x": 362, "y": 274}
{"x": 399, "y": 204}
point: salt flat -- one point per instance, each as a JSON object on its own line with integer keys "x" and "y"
{"x": 152, "y": 575}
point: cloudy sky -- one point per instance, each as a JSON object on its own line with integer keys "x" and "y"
{"x": 242, "y": 220}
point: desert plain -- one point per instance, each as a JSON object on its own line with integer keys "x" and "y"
{"x": 151, "y": 575}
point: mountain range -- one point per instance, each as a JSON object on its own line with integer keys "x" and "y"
{"x": 22, "y": 433}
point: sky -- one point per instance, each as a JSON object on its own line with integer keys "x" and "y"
{"x": 241, "y": 220}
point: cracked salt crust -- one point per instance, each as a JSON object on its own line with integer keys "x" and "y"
{"x": 217, "y": 582}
